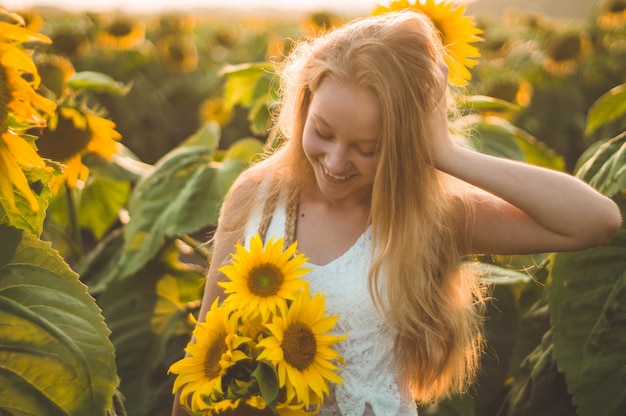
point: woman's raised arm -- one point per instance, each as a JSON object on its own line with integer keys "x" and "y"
{"x": 525, "y": 208}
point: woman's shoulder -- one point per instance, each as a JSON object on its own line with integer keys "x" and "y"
{"x": 243, "y": 191}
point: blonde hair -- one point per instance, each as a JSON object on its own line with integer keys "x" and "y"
{"x": 416, "y": 279}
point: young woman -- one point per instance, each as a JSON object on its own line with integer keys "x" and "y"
{"x": 385, "y": 205}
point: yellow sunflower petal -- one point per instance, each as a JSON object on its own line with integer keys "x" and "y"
{"x": 11, "y": 32}
{"x": 104, "y": 136}
{"x": 457, "y": 31}
{"x": 301, "y": 351}
{"x": 262, "y": 279}
{"x": 12, "y": 176}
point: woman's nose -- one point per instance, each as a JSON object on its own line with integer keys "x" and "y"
{"x": 336, "y": 159}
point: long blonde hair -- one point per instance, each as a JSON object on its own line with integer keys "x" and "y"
{"x": 416, "y": 279}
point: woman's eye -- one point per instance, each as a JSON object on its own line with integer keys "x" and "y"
{"x": 323, "y": 135}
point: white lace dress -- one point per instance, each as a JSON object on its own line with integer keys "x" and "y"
{"x": 369, "y": 381}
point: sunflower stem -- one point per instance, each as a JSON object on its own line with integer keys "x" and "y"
{"x": 77, "y": 239}
{"x": 196, "y": 246}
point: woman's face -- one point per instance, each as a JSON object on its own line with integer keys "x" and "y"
{"x": 341, "y": 136}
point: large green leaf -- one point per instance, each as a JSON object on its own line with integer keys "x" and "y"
{"x": 100, "y": 202}
{"x": 55, "y": 354}
{"x": 610, "y": 107}
{"x": 97, "y": 81}
{"x": 178, "y": 197}
{"x": 23, "y": 217}
{"x": 483, "y": 103}
{"x": 100, "y": 266}
{"x": 496, "y": 136}
{"x": 252, "y": 86}
{"x": 588, "y": 312}
{"x": 148, "y": 314}
{"x": 539, "y": 388}
{"x": 605, "y": 170}
{"x": 124, "y": 166}
{"x": 182, "y": 195}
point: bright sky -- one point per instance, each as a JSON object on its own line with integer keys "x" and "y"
{"x": 149, "y": 6}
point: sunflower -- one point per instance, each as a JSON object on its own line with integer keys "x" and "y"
{"x": 178, "y": 53}
{"x": 71, "y": 133}
{"x": 264, "y": 278}
{"x": 20, "y": 107}
{"x": 563, "y": 53}
{"x": 122, "y": 33}
{"x": 456, "y": 30}
{"x": 72, "y": 43}
{"x": 214, "y": 109}
{"x": 55, "y": 72}
{"x": 299, "y": 346}
{"x": 252, "y": 406}
{"x": 320, "y": 22}
{"x": 613, "y": 14}
{"x": 208, "y": 357}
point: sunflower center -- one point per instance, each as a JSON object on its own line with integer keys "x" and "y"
{"x": 299, "y": 345}
{"x": 64, "y": 142}
{"x": 617, "y": 6}
{"x": 5, "y": 99}
{"x": 265, "y": 280}
{"x": 565, "y": 47}
{"x": 214, "y": 353}
{"x": 120, "y": 29}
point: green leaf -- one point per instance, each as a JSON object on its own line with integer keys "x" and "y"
{"x": 100, "y": 266}
{"x": 245, "y": 150}
{"x": 609, "y": 107}
{"x": 606, "y": 169}
{"x": 124, "y": 166}
{"x": 23, "y": 217}
{"x": 208, "y": 135}
{"x": 148, "y": 314}
{"x": 100, "y": 203}
{"x": 496, "y": 136}
{"x": 55, "y": 354}
{"x": 241, "y": 81}
{"x": 588, "y": 312}
{"x": 486, "y": 104}
{"x": 97, "y": 81}
{"x": 266, "y": 375}
{"x": 251, "y": 86}
{"x": 539, "y": 389}
{"x": 180, "y": 196}
{"x": 499, "y": 275}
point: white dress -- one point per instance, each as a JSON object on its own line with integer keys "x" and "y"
{"x": 370, "y": 386}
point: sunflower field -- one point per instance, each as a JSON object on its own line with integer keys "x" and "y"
{"x": 120, "y": 135}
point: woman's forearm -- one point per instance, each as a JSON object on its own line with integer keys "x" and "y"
{"x": 558, "y": 202}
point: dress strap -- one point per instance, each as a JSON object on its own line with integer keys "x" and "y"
{"x": 291, "y": 211}
{"x": 292, "y": 218}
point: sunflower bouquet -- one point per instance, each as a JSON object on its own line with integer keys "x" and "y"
{"x": 266, "y": 348}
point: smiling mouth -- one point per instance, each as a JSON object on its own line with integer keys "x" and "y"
{"x": 333, "y": 176}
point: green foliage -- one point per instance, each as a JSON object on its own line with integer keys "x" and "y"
{"x": 97, "y": 81}
{"x": 606, "y": 169}
{"x": 496, "y": 136}
{"x": 610, "y": 107}
{"x": 168, "y": 201}
{"x": 25, "y": 218}
{"x": 555, "y": 323}
{"x": 252, "y": 86}
{"x": 55, "y": 354}
{"x": 588, "y": 313}
{"x": 148, "y": 314}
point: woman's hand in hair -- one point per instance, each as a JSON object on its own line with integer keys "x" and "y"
{"x": 437, "y": 121}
